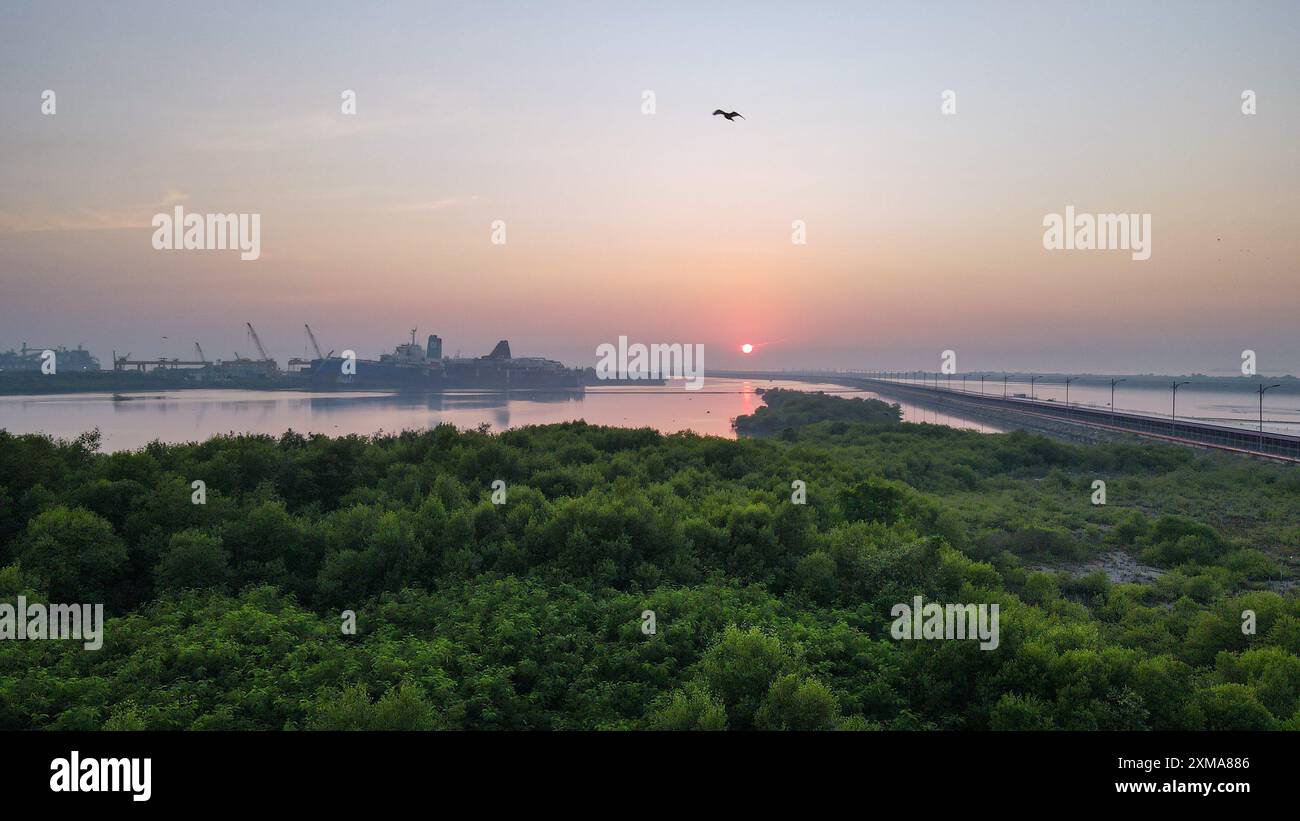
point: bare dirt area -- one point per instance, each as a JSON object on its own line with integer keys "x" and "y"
{"x": 1119, "y": 567}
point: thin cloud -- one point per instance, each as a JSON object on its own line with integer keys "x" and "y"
{"x": 286, "y": 133}
{"x": 430, "y": 205}
{"x": 89, "y": 219}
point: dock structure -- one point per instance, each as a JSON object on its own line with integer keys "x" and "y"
{"x": 124, "y": 363}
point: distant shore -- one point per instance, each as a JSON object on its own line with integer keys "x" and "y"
{"x": 29, "y": 384}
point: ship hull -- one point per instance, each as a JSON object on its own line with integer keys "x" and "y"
{"x": 485, "y": 375}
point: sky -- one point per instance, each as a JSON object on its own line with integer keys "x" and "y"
{"x": 924, "y": 230}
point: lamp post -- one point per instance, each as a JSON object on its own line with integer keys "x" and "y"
{"x": 1068, "y": 380}
{"x": 1113, "y": 383}
{"x": 1262, "y": 389}
{"x": 1173, "y": 408}
{"x": 1032, "y": 380}
{"x": 1004, "y": 386}
{"x": 981, "y": 384}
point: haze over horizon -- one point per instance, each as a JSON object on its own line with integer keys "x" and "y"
{"x": 924, "y": 231}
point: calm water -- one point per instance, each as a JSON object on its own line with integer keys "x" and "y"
{"x": 182, "y": 416}
{"x": 191, "y": 415}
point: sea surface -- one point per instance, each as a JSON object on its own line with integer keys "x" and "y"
{"x": 133, "y": 420}
{"x": 194, "y": 415}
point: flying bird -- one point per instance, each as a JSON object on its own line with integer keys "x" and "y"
{"x": 730, "y": 117}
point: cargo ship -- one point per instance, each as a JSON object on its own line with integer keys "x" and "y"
{"x": 30, "y": 360}
{"x": 414, "y": 367}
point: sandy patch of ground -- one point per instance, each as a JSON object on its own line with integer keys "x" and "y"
{"x": 1119, "y": 567}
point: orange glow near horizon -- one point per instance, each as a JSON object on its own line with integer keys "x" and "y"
{"x": 847, "y": 241}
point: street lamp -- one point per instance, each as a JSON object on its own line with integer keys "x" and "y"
{"x": 1173, "y": 408}
{"x": 1068, "y": 380}
{"x": 1032, "y": 380}
{"x": 1262, "y": 389}
{"x": 1113, "y": 383}
{"x": 981, "y": 384}
{"x": 1004, "y": 386}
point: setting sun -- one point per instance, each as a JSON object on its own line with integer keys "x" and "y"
{"x": 747, "y": 348}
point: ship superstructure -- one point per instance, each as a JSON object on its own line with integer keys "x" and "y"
{"x": 411, "y": 365}
{"x": 67, "y": 360}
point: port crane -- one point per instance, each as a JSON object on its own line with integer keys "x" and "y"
{"x": 199, "y": 348}
{"x": 297, "y": 365}
{"x": 258, "y": 342}
{"x": 314, "y": 343}
{"x": 268, "y": 366}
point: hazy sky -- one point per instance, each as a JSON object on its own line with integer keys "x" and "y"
{"x": 924, "y": 231}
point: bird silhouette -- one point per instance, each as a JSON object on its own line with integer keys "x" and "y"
{"x": 730, "y": 117}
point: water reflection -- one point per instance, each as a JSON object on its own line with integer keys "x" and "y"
{"x": 179, "y": 416}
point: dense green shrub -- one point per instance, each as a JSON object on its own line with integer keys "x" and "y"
{"x": 529, "y": 614}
